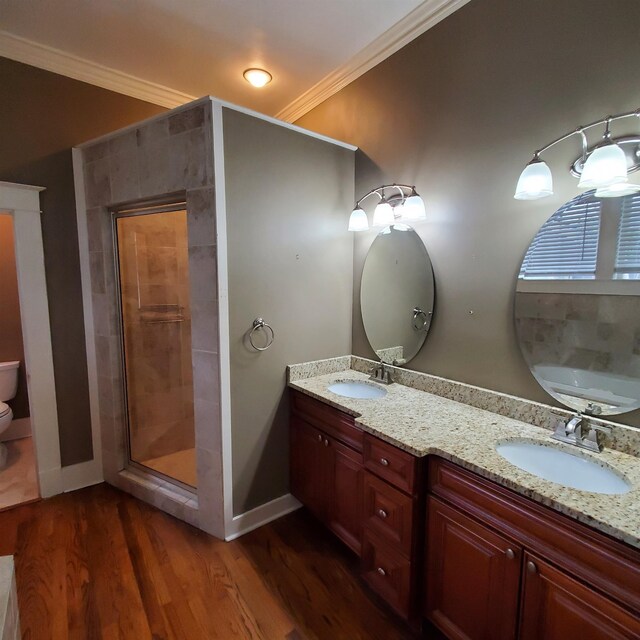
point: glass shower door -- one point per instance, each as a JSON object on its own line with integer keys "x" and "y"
{"x": 153, "y": 266}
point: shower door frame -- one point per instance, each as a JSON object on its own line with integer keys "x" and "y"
{"x": 165, "y": 205}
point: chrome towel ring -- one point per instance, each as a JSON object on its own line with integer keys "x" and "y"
{"x": 259, "y": 323}
{"x": 421, "y": 320}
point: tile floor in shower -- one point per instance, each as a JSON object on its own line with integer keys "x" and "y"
{"x": 180, "y": 465}
{"x": 18, "y": 479}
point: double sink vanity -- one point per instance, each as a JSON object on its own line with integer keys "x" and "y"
{"x": 475, "y": 521}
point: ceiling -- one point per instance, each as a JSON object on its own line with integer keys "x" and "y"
{"x": 199, "y": 47}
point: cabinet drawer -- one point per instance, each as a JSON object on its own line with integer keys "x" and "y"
{"x": 389, "y": 513}
{"x": 387, "y": 572}
{"x": 335, "y": 423}
{"x": 397, "y": 467}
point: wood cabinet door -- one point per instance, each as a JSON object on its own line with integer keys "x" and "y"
{"x": 555, "y": 606}
{"x": 309, "y": 476}
{"x": 344, "y": 508}
{"x": 473, "y": 577}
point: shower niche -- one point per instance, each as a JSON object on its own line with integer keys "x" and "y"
{"x": 181, "y": 222}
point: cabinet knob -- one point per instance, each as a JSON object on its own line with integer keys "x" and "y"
{"x": 381, "y": 571}
{"x": 382, "y": 513}
{"x": 531, "y": 567}
{"x": 384, "y": 462}
{"x": 510, "y": 554}
{"x": 319, "y": 438}
{"x": 326, "y": 442}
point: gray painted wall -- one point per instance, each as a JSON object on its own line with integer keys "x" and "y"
{"x": 291, "y": 262}
{"x": 458, "y": 112}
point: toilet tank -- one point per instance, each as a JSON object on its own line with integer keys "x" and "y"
{"x": 8, "y": 380}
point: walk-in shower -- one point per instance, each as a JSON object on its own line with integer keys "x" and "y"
{"x": 155, "y": 320}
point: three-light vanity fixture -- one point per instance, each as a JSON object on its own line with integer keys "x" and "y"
{"x": 397, "y": 203}
{"x": 604, "y": 167}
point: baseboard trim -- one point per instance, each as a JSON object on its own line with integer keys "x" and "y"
{"x": 83, "y": 474}
{"x": 265, "y": 513}
{"x": 19, "y": 428}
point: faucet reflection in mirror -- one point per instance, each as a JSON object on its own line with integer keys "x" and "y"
{"x": 604, "y": 167}
{"x": 396, "y": 202}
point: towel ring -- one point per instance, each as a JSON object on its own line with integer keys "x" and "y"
{"x": 423, "y": 319}
{"x": 259, "y": 323}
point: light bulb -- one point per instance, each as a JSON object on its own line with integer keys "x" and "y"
{"x": 414, "y": 208}
{"x": 383, "y": 214}
{"x": 535, "y": 181}
{"x": 358, "y": 220}
{"x": 257, "y": 77}
{"x": 605, "y": 166}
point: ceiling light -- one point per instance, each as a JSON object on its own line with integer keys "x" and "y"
{"x": 604, "y": 167}
{"x": 535, "y": 181}
{"x": 257, "y": 77}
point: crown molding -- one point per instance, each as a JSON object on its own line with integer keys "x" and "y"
{"x": 45, "y": 57}
{"x": 421, "y": 19}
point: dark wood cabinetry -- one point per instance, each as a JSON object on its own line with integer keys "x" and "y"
{"x": 326, "y": 476}
{"x": 489, "y": 565}
{"x": 500, "y": 566}
{"x": 473, "y": 576}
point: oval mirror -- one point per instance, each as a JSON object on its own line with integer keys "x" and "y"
{"x": 577, "y": 304}
{"x": 397, "y": 294}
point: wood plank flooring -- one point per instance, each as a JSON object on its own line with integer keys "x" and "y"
{"x": 98, "y": 563}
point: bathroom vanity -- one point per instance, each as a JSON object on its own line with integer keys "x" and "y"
{"x": 448, "y": 531}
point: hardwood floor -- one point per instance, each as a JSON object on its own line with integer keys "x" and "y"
{"x": 98, "y": 563}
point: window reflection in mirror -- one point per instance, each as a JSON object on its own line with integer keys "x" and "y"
{"x": 577, "y": 306}
{"x": 397, "y": 294}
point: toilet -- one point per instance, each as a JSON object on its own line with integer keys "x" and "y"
{"x": 8, "y": 388}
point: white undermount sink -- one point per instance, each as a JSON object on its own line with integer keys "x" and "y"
{"x": 357, "y": 389}
{"x": 562, "y": 467}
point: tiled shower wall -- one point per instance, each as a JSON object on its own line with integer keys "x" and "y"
{"x": 581, "y": 331}
{"x": 166, "y": 157}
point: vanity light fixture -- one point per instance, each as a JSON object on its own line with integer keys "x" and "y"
{"x": 604, "y": 167}
{"x": 257, "y": 77}
{"x": 402, "y": 203}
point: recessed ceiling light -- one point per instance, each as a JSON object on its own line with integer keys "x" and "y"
{"x": 257, "y": 77}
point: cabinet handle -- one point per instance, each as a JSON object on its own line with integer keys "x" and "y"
{"x": 382, "y": 513}
{"x": 326, "y": 442}
{"x": 531, "y": 567}
{"x": 384, "y": 462}
{"x": 510, "y": 554}
{"x": 319, "y": 438}
{"x": 381, "y": 571}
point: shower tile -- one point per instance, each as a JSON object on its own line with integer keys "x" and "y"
{"x": 124, "y": 143}
{"x": 97, "y": 183}
{"x": 152, "y": 132}
{"x": 204, "y": 325}
{"x": 202, "y": 267}
{"x": 101, "y": 314}
{"x": 201, "y": 217}
{"x": 207, "y": 420}
{"x": 206, "y": 375}
{"x": 96, "y": 269}
{"x": 187, "y": 161}
{"x": 96, "y": 151}
{"x": 186, "y": 120}
{"x": 94, "y": 228}
{"x": 154, "y": 169}
{"x": 125, "y": 183}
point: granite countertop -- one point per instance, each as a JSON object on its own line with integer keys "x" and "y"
{"x": 426, "y": 424}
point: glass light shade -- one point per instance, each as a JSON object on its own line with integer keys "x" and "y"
{"x": 257, "y": 77}
{"x": 383, "y": 214}
{"x": 535, "y": 182}
{"x": 605, "y": 166}
{"x": 358, "y": 220}
{"x": 414, "y": 208}
{"x": 617, "y": 190}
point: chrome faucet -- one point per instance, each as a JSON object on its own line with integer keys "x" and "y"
{"x": 381, "y": 373}
{"x": 577, "y": 431}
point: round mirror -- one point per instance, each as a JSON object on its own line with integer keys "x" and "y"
{"x": 397, "y": 294}
{"x": 577, "y": 304}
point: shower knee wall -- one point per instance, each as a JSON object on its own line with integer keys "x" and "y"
{"x": 252, "y": 250}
